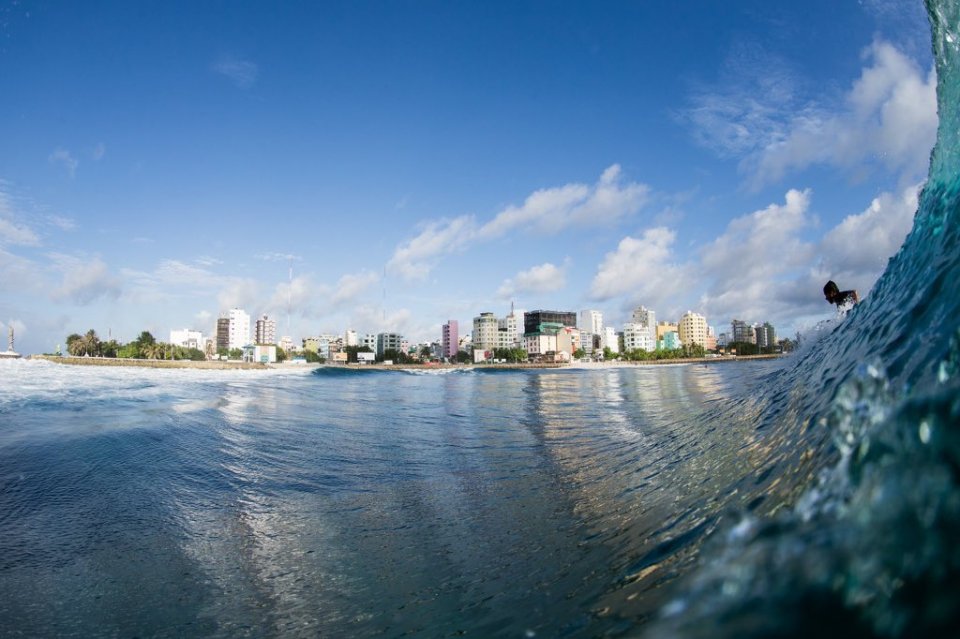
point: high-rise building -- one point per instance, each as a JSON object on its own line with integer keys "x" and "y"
{"x": 692, "y": 329}
{"x": 591, "y": 322}
{"x": 350, "y": 338}
{"x": 223, "y": 333}
{"x": 508, "y": 331}
{"x": 266, "y": 331}
{"x": 765, "y": 334}
{"x": 238, "y": 328}
{"x": 450, "y": 339}
{"x": 533, "y": 319}
{"x": 741, "y": 331}
{"x": 485, "y": 337}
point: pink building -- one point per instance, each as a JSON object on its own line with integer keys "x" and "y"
{"x": 451, "y": 340}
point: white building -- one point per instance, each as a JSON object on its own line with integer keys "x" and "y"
{"x": 350, "y": 338}
{"x": 610, "y": 339}
{"x": 187, "y": 338}
{"x": 591, "y": 322}
{"x": 239, "y": 329}
{"x": 509, "y": 331}
{"x": 693, "y": 329}
{"x": 645, "y": 317}
{"x": 286, "y": 343}
{"x": 637, "y": 337}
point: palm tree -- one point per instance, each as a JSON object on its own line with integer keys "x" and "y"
{"x": 91, "y": 343}
{"x": 75, "y": 344}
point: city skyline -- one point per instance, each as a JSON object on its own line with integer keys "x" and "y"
{"x": 385, "y": 168}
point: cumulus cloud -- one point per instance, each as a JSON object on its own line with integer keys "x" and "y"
{"x": 278, "y": 257}
{"x": 83, "y": 281}
{"x": 543, "y": 211}
{"x": 62, "y": 157}
{"x": 550, "y": 210}
{"x": 857, "y": 249}
{"x": 242, "y": 73}
{"x": 887, "y": 119}
{"x": 543, "y": 278}
{"x": 757, "y": 252}
{"x": 639, "y": 268}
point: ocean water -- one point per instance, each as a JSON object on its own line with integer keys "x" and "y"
{"x": 811, "y": 496}
{"x": 140, "y": 502}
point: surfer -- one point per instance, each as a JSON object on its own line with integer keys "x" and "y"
{"x": 843, "y": 299}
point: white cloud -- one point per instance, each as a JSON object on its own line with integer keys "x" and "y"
{"x": 83, "y": 280}
{"x": 543, "y": 211}
{"x": 299, "y": 295}
{"x": 856, "y": 251}
{"x": 550, "y": 210}
{"x": 414, "y": 259}
{"x": 639, "y": 268}
{"x": 242, "y": 73}
{"x": 890, "y": 118}
{"x": 749, "y": 263}
{"x": 65, "y": 159}
{"x": 887, "y": 119}
{"x": 543, "y": 278}
{"x": 352, "y": 285}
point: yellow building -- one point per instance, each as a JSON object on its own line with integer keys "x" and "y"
{"x": 692, "y": 329}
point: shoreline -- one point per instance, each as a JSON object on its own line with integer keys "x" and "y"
{"x": 235, "y": 365}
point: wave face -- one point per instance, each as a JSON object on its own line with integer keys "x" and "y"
{"x": 870, "y": 548}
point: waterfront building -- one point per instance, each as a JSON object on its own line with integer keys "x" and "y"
{"x": 742, "y": 332}
{"x": 568, "y": 340}
{"x": 533, "y": 319}
{"x": 665, "y": 327}
{"x": 485, "y": 332}
{"x": 350, "y": 337}
{"x": 692, "y": 329}
{"x": 670, "y": 341}
{"x": 643, "y": 315}
{"x": 539, "y": 343}
{"x": 610, "y": 339}
{"x": 265, "y": 331}
{"x": 591, "y": 322}
{"x": 370, "y": 341}
{"x": 637, "y": 337}
{"x": 449, "y": 339}
{"x": 389, "y": 341}
{"x": 238, "y": 328}
{"x": 187, "y": 338}
{"x": 508, "y": 330}
{"x": 286, "y": 343}
{"x": 765, "y": 334}
{"x": 223, "y": 333}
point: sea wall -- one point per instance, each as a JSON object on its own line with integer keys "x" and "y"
{"x": 150, "y": 363}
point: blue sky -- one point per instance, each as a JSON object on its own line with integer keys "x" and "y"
{"x": 413, "y": 162}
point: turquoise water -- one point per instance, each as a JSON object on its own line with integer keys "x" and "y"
{"x": 816, "y": 495}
